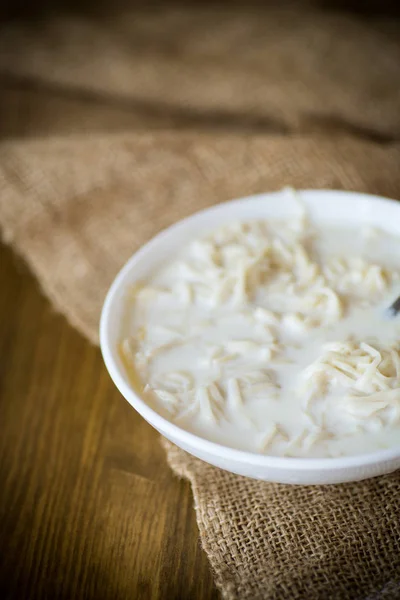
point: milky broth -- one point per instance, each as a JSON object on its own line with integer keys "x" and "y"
{"x": 272, "y": 337}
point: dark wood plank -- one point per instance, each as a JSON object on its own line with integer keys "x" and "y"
{"x": 88, "y": 506}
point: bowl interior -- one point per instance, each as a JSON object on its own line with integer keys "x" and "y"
{"x": 323, "y": 206}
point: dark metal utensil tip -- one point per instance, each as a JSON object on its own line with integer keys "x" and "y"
{"x": 394, "y": 308}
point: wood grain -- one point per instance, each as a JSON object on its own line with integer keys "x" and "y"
{"x": 88, "y": 506}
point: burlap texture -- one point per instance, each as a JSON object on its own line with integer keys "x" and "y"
{"x": 76, "y": 210}
{"x": 278, "y": 66}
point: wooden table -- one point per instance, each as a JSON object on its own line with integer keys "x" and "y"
{"x": 89, "y": 508}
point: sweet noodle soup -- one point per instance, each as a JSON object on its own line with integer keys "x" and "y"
{"x": 271, "y": 336}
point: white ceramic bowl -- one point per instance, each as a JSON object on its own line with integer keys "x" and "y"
{"x": 324, "y": 207}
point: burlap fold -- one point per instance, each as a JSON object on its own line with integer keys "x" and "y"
{"x": 76, "y": 209}
{"x": 274, "y": 66}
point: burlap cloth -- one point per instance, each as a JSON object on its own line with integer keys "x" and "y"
{"x": 77, "y": 207}
{"x": 292, "y": 67}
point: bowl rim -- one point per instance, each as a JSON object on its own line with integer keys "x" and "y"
{"x": 192, "y": 440}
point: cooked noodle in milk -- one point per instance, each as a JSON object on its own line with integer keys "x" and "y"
{"x": 270, "y": 336}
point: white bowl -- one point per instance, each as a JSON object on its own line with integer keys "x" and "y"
{"x": 324, "y": 207}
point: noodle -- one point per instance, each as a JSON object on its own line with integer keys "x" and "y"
{"x": 256, "y": 336}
